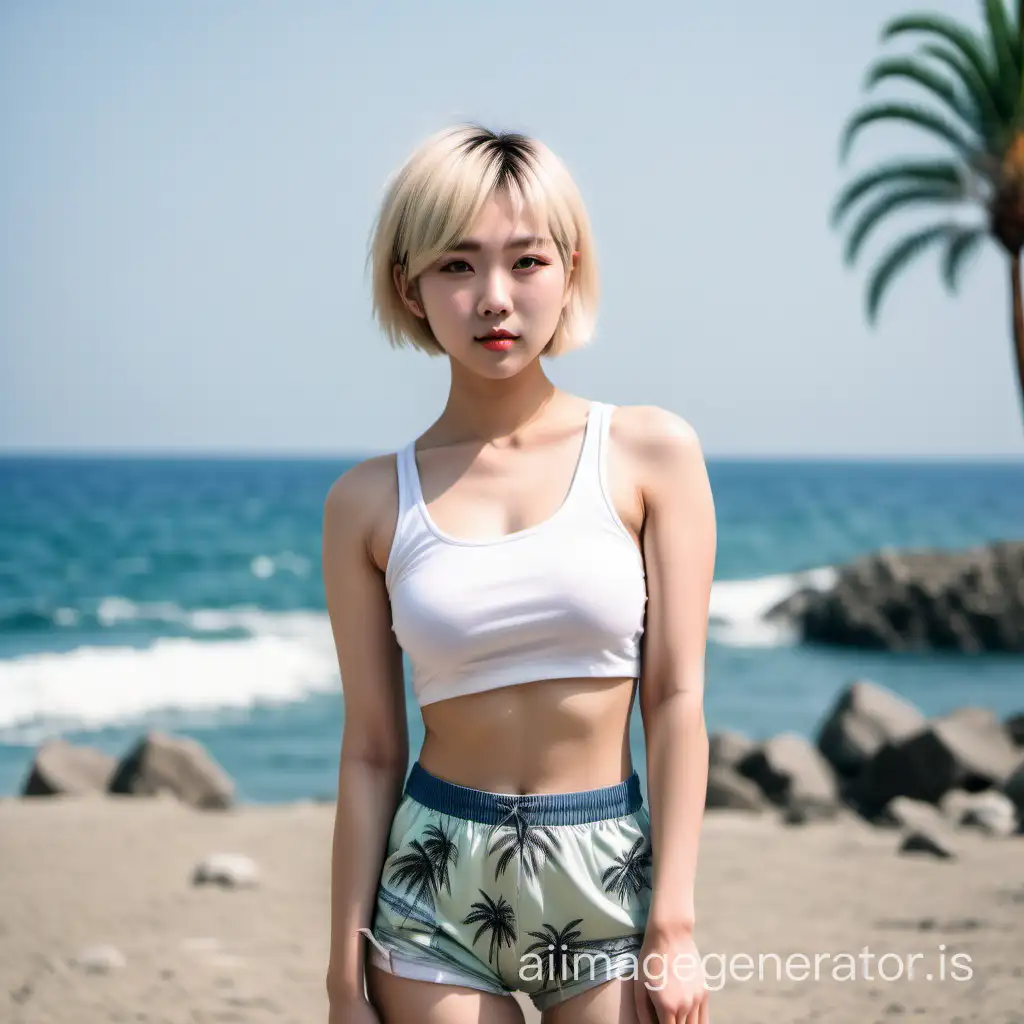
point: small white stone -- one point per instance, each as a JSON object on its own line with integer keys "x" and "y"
{"x": 231, "y": 870}
{"x": 98, "y": 959}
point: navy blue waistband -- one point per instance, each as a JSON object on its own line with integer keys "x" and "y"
{"x": 540, "y": 808}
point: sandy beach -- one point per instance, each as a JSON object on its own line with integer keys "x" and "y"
{"x": 117, "y": 871}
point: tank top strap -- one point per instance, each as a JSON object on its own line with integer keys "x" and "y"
{"x": 406, "y": 503}
{"x": 406, "y": 479}
{"x": 604, "y": 424}
{"x": 587, "y": 484}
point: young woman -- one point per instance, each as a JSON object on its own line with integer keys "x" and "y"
{"x": 537, "y": 556}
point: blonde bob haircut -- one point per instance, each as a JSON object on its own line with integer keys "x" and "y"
{"x": 432, "y": 202}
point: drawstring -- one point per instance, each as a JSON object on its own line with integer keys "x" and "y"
{"x": 521, "y": 809}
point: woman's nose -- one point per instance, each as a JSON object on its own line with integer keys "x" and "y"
{"x": 494, "y": 300}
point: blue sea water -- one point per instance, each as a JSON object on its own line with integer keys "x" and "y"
{"x": 185, "y": 594}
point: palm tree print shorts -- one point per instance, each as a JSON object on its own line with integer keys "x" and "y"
{"x": 544, "y": 893}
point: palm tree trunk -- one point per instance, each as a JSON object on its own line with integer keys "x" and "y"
{"x": 1018, "y": 318}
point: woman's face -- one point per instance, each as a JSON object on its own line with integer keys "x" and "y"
{"x": 501, "y": 276}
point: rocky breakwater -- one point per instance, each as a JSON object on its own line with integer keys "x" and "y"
{"x": 157, "y": 764}
{"x": 968, "y": 601}
{"x": 879, "y": 757}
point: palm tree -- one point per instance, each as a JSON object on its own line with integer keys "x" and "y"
{"x": 553, "y": 944}
{"x": 497, "y": 918}
{"x": 532, "y": 843}
{"x": 556, "y": 943}
{"x": 416, "y": 871}
{"x": 425, "y": 868}
{"x": 441, "y": 850}
{"x": 979, "y": 83}
{"x": 628, "y": 874}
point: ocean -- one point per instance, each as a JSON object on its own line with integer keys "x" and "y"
{"x": 184, "y": 594}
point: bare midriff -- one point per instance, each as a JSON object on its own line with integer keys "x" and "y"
{"x": 543, "y": 736}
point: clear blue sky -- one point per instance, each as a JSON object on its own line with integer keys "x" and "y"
{"x": 187, "y": 190}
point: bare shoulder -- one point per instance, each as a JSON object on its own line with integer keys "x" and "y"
{"x": 369, "y": 656}
{"x": 659, "y": 440}
{"x": 358, "y": 489}
{"x": 361, "y": 500}
{"x": 677, "y": 497}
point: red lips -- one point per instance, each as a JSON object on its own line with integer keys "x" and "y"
{"x": 495, "y": 335}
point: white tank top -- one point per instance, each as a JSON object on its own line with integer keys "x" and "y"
{"x": 564, "y": 598}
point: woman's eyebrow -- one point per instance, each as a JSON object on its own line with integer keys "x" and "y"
{"x": 522, "y": 242}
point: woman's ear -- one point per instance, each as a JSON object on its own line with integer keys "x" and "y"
{"x": 409, "y": 293}
{"x": 574, "y": 263}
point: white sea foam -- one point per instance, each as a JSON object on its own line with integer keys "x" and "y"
{"x": 288, "y": 656}
{"x": 738, "y": 608}
{"x": 113, "y": 610}
{"x": 265, "y": 566}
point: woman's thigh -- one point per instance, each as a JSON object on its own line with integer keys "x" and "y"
{"x": 400, "y": 1000}
{"x": 608, "y": 1003}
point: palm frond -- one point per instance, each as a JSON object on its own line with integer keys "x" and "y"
{"x": 1007, "y": 55}
{"x": 959, "y": 251}
{"x": 905, "y": 172}
{"x": 918, "y": 116}
{"x": 1018, "y": 35}
{"x": 905, "y": 67}
{"x": 992, "y": 124}
{"x": 897, "y": 259}
{"x": 892, "y": 201}
{"x": 1020, "y": 103}
{"x": 961, "y": 39}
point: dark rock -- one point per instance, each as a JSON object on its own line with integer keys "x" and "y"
{"x": 984, "y": 718}
{"x": 59, "y": 768}
{"x": 727, "y": 789}
{"x": 992, "y": 813}
{"x": 728, "y": 748}
{"x": 954, "y": 804}
{"x": 1013, "y": 788}
{"x": 792, "y": 774}
{"x": 1015, "y": 727}
{"x": 805, "y": 812}
{"x": 882, "y": 817}
{"x": 971, "y": 601}
{"x": 949, "y": 752}
{"x": 864, "y": 717}
{"x": 177, "y": 764}
{"x": 922, "y": 841}
{"x": 915, "y": 815}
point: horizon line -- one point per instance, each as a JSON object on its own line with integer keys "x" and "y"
{"x": 216, "y": 455}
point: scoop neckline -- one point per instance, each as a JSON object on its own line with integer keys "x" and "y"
{"x": 517, "y": 534}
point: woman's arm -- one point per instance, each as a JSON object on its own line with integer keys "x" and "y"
{"x": 375, "y": 741}
{"x": 679, "y": 552}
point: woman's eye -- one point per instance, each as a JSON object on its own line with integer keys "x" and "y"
{"x": 461, "y": 266}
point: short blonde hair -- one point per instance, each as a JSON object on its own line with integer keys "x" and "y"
{"x": 433, "y": 200}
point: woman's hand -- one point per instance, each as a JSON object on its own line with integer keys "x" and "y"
{"x": 670, "y": 986}
{"x": 355, "y": 1010}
